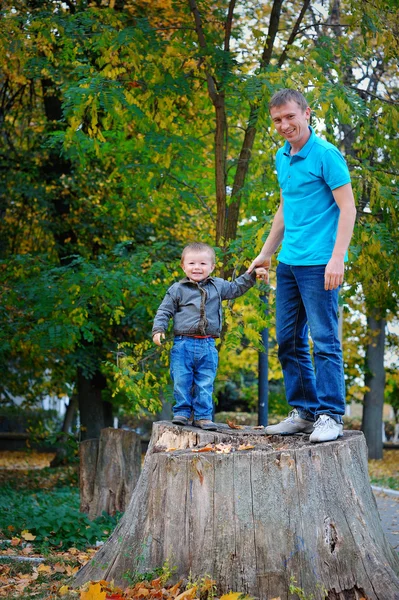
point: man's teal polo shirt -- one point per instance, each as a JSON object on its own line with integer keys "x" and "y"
{"x": 310, "y": 211}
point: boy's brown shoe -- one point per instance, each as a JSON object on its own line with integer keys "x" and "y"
{"x": 180, "y": 420}
{"x": 206, "y": 424}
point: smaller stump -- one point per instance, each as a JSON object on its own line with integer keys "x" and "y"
{"x": 109, "y": 470}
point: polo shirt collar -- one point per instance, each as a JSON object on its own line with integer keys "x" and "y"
{"x": 306, "y": 148}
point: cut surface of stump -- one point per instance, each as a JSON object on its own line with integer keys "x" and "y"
{"x": 254, "y": 512}
{"x": 109, "y": 470}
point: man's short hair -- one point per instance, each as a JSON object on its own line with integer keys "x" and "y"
{"x": 286, "y": 95}
{"x": 199, "y": 247}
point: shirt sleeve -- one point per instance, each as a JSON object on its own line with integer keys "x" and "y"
{"x": 238, "y": 287}
{"x": 334, "y": 168}
{"x": 166, "y": 311}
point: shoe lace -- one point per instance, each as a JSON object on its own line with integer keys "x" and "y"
{"x": 324, "y": 422}
{"x": 292, "y": 415}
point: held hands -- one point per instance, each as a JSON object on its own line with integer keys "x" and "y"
{"x": 263, "y": 264}
{"x": 334, "y": 273}
{"x": 156, "y": 338}
{"x": 262, "y": 274}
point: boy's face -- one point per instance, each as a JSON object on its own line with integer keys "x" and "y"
{"x": 197, "y": 265}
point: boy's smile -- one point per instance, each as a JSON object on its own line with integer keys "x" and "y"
{"x": 197, "y": 265}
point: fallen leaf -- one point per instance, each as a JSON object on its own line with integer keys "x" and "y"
{"x": 188, "y": 594}
{"x": 173, "y": 590}
{"x": 143, "y": 592}
{"x": 233, "y": 425}
{"x": 235, "y": 596}
{"x": 64, "y": 589}
{"x": 170, "y": 449}
{"x": 44, "y": 568}
{"x": 28, "y": 536}
{"x": 261, "y": 427}
{"x": 245, "y": 447}
{"x": 156, "y": 583}
{"x": 279, "y": 598}
{"x": 59, "y": 568}
{"x": 207, "y": 448}
{"x": 15, "y": 541}
{"x": 94, "y": 592}
{"x": 223, "y": 448}
{"x": 71, "y": 570}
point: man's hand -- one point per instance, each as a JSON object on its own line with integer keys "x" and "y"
{"x": 156, "y": 338}
{"x": 261, "y": 262}
{"x": 334, "y": 273}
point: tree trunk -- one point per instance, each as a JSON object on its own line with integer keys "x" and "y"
{"x": 61, "y": 454}
{"x": 109, "y": 470}
{"x": 91, "y": 407}
{"x": 253, "y": 518}
{"x": 375, "y": 381}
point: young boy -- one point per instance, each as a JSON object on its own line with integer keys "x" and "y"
{"x": 195, "y": 305}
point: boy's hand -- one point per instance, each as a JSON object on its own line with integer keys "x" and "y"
{"x": 156, "y": 338}
{"x": 262, "y": 274}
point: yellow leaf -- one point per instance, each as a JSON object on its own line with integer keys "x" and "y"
{"x": 94, "y": 592}
{"x": 44, "y": 568}
{"x": 188, "y": 594}
{"x": 235, "y": 596}
{"x": 64, "y": 589}
{"x": 28, "y": 536}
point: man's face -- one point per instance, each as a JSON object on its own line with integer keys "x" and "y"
{"x": 197, "y": 265}
{"x": 292, "y": 123}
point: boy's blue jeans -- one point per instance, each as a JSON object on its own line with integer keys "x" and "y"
{"x": 193, "y": 364}
{"x": 302, "y": 301}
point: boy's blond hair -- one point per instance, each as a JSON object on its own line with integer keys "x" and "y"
{"x": 199, "y": 247}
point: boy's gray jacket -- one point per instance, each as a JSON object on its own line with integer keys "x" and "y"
{"x": 196, "y": 308}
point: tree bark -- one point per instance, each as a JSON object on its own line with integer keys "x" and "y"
{"x": 109, "y": 470}
{"x": 93, "y": 415}
{"x": 375, "y": 381}
{"x": 253, "y": 518}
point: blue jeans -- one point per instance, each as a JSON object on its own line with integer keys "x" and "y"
{"x": 302, "y": 303}
{"x": 193, "y": 364}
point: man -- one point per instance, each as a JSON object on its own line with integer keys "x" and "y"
{"x": 314, "y": 223}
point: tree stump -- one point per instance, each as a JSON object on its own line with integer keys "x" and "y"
{"x": 254, "y": 518}
{"x": 109, "y": 470}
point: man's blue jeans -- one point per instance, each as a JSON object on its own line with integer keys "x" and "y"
{"x": 302, "y": 302}
{"x": 193, "y": 364}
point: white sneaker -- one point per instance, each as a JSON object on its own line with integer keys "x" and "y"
{"x": 326, "y": 429}
{"x": 292, "y": 424}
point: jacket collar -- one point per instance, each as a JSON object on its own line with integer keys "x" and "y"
{"x": 188, "y": 280}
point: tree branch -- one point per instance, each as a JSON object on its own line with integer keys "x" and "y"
{"x": 202, "y": 42}
{"x": 294, "y": 33}
{"x": 272, "y": 33}
{"x": 228, "y": 27}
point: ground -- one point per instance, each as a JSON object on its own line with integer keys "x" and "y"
{"x": 31, "y": 570}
